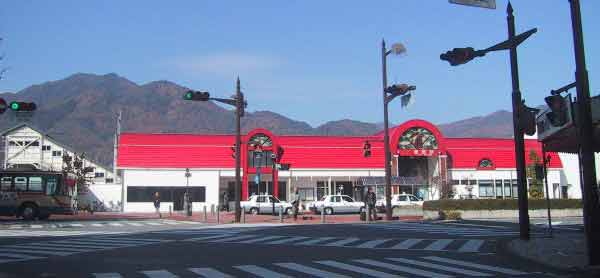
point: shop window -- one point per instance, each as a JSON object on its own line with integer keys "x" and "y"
{"x": 282, "y": 187}
{"x": 507, "y": 189}
{"x": 499, "y": 189}
{"x": 321, "y": 189}
{"x": 35, "y": 184}
{"x": 486, "y": 189}
{"x": 306, "y": 194}
{"x": 515, "y": 189}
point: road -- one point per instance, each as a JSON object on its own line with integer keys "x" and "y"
{"x": 168, "y": 249}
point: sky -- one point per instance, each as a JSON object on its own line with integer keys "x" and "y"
{"x": 314, "y": 61}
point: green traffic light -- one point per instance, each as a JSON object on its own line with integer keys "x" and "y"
{"x": 189, "y": 95}
{"x": 15, "y": 106}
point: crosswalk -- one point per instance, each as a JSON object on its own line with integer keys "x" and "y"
{"x": 427, "y": 266}
{"x": 456, "y": 245}
{"x": 45, "y": 249}
{"x": 445, "y": 229}
{"x": 87, "y": 224}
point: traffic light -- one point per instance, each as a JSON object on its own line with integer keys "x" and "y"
{"x": 233, "y": 152}
{"x": 366, "y": 149}
{"x": 527, "y": 116}
{"x": 279, "y": 153}
{"x": 459, "y": 56}
{"x": 3, "y": 106}
{"x": 196, "y": 96}
{"x": 539, "y": 172}
{"x": 558, "y": 115}
{"x": 19, "y": 106}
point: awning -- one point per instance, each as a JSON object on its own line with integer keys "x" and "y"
{"x": 373, "y": 181}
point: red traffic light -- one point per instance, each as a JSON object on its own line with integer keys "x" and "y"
{"x": 3, "y": 105}
{"x": 366, "y": 149}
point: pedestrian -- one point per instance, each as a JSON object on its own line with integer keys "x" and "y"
{"x": 371, "y": 200}
{"x": 295, "y": 198}
{"x": 157, "y": 203}
{"x": 226, "y": 201}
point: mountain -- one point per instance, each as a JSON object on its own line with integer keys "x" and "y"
{"x": 80, "y": 112}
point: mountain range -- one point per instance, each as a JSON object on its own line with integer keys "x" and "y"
{"x": 80, "y": 112}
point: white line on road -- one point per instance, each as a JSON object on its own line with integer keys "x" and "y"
{"x": 315, "y": 241}
{"x": 107, "y": 275}
{"x": 159, "y": 274}
{"x": 474, "y": 265}
{"x": 357, "y": 269}
{"x": 261, "y": 271}
{"x": 407, "y": 244}
{"x": 410, "y": 270}
{"x": 311, "y": 270}
{"x": 260, "y": 239}
{"x": 471, "y": 245}
{"x": 342, "y": 242}
{"x": 209, "y": 272}
{"x": 286, "y": 240}
{"x": 440, "y": 267}
{"x": 439, "y": 244}
{"x": 372, "y": 243}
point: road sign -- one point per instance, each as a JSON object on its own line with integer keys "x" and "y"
{"x": 546, "y": 128}
{"x": 489, "y": 4}
{"x": 3, "y": 105}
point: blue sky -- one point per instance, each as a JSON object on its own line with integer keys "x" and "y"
{"x": 314, "y": 61}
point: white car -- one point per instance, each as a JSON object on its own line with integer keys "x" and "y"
{"x": 264, "y": 204}
{"x": 337, "y": 204}
{"x": 399, "y": 200}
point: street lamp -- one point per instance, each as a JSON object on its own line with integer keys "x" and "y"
{"x": 460, "y": 56}
{"x": 389, "y": 93}
{"x": 239, "y": 103}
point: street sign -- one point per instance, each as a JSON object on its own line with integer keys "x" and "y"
{"x": 3, "y": 105}
{"x": 545, "y": 128}
{"x": 489, "y": 4}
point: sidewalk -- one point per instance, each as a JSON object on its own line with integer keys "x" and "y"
{"x": 565, "y": 251}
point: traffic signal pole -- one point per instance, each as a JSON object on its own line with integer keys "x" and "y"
{"x": 518, "y": 132}
{"x": 591, "y": 206}
{"x": 238, "y": 145}
{"x": 386, "y": 138}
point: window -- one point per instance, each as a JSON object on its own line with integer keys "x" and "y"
{"x": 402, "y": 198}
{"x": 515, "y": 189}
{"x": 347, "y": 199}
{"x": 260, "y": 159}
{"x": 46, "y": 148}
{"x": 99, "y": 175}
{"x": 413, "y": 198}
{"x": 12, "y": 143}
{"x": 20, "y": 183}
{"x": 56, "y": 153}
{"x": 464, "y": 181}
{"x": 564, "y": 192}
{"x": 486, "y": 189}
{"x": 454, "y": 182}
{"x": 167, "y": 193}
{"x": 51, "y": 185}
{"x": 336, "y": 199}
{"x": 35, "y": 144}
{"x": 6, "y": 183}
{"x": 35, "y": 184}
{"x": 472, "y": 182}
{"x": 306, "y": 194}
{"x": 261, "y": 199}
{"x": 109, "y": 180}
{"x": 321, "y": 189}
{"x": 499, "y": 190}
{"x": 273, "y": 200}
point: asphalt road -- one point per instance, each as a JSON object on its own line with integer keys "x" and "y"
{"x": 398, "y": 249}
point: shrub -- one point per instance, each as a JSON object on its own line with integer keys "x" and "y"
{"x": 498, "y": 204}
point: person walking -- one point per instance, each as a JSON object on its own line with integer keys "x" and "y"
{"x": 157, "y": 203}
{"x": 371, "y": 200}
{"x": 295, "y": 198}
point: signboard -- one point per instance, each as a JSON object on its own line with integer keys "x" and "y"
{"x": 545, "y": 128}
{"x": 489, "y": 4}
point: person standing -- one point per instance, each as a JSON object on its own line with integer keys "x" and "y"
{"x": 226, "y": 201}
{"x": 371, "y": 200}
{"x": 295, "y": 198}
{"x": 157, "y": 203}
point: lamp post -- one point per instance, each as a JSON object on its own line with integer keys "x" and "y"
{"x": 389, "y": 93}
{"x": 460, "y": 56}
{"x": 240, "y": 104}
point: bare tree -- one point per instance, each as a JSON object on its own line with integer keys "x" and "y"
{"x": 73, "y": 166}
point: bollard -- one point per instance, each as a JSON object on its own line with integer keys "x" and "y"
{"x": 170, "y": 211}
{"x": 322, "y": 214}
{"x": 243, "y": 215}
{"x": 218, "y": 217}
{"x": 205, "y": 214}
{"x": 273, "y": 209}
{"x": 367, "y": 212}
{"x": 280, "y": 214}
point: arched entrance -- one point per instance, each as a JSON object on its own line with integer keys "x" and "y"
{"x": 259, "y": 160}
{"x": 420, "y": 164}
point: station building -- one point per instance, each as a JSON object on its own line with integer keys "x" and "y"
{"x": 424, "y": 162}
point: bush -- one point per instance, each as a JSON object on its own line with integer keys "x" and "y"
{"x": 451, "y": 215}
{"x": 498, "y": 204}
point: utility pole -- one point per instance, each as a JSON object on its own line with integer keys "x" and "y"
{"x": 386, "y": 138}
{"x": 587, "y": 168}
{"x": 518, "y": 132}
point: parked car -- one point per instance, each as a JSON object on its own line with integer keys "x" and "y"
{"x": 399, "y": 200}
{"x": 264, "y": 204}
{"x": 337, "y": 204}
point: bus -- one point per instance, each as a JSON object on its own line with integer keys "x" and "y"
{"x": 32, "y": 194}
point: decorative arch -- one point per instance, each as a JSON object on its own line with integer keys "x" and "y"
{"x": 417, "y": 138}
{"x": 258, "y": 140}
{"x": 486, "y": 164}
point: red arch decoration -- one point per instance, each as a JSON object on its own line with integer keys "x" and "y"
{"x": 247, "y": 170}
{"x": 399, "y": 130}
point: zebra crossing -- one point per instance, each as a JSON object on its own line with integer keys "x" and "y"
{"x": 44, "y": 233}
{"x": 445, "y": 229}
{"x": 455, "y": 245}
{"x": 45, "y": 249}
{"x": 427, "y": 266}
{"x": 100, "y": 224}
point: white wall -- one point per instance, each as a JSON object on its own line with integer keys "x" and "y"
{"x": 107, "y": 194}
{"x": 207, "y": 178}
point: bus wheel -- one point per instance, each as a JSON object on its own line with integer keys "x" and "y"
{"x": 29, "y": 212}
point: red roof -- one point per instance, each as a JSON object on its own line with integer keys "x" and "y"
{"x": 309, "y": 152}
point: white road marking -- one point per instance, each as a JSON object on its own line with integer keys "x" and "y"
{"x": 38, "y": 252}
{"x": 209, "y": 272}
{"x": 342, "y": 242}
{"x": 261, "y": 271}
{"x": 372, "y": 243}
{"x": 441, "y": 267}
{"x": 107, "y": 275}
{"x": 474, "y": 265}
{"x": 310, "y": 270}
{"x": 410, "y": 270}
{"x": 315, "y": 241}
{"x": 471, "y": 245}
{"x": 159, "y": 274}
{"x": 260, "y": 239}
{"x": 232, "y": 238}
{"x": 287, "y": 240}
{"x": 407, "y": 244}
{"x": 439, "y": 244}
{"x": 357, "y": 269}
